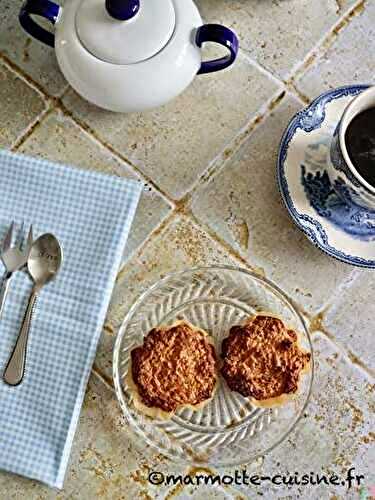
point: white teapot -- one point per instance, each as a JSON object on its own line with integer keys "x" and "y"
{"x": 128, "y": 55}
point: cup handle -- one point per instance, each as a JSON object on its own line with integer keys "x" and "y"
{"x": 218, "y": 34}
{"x": 44, "y": 8}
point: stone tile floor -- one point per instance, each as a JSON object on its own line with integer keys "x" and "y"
{"x": 207, "y": 163}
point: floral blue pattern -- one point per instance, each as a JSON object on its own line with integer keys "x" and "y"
{"x": 355, "y": 221}
{"x": 349, "y": 217}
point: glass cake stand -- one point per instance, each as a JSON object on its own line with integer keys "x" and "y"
{"x": 229, "y": 430}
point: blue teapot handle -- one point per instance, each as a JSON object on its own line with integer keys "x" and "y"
{"x": 223, "y": 36}
{"x": 44, "y": 8}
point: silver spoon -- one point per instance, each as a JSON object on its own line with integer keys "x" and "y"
{"x": 43, "y": 264}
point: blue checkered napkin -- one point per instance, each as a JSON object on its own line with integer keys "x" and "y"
{"x": 91, "y": 215}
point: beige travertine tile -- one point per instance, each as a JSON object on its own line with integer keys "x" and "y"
{"x": 58, "y": 138}
{"x": 335, "y": 433}
{"x": 349, "y": 318}
{"x": 33, "y": 57}
{"x": 174, "y": 144}
{"x": 243, "y": 205}
{"x": 18, "y": 488}
{"x": 181, "y": 245}
{"x": 278, "y": 34}
{"x": 347, "y": 59}
{"x": 19, "y": 106}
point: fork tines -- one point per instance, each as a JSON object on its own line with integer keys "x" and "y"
{"x": 8, "y": 238}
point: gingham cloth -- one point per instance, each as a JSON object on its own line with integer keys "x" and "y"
{"x": 91, "y": 215}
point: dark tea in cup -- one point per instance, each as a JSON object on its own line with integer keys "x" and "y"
{"x": 352, "y": 151}
{"x": 360, "y": 144}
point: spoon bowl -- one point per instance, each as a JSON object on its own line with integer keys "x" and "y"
{"x": 44, "y": 260}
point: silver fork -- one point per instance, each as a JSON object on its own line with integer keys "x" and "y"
{"x": 14, "y": 258}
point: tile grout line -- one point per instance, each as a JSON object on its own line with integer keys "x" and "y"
{"x": 222, "y": 243}
{"x": 217, "y": 165}
{"x": 220, "y": 159}
{"x": 49, "y": 101}
{"x": 168, "y": 220}
{"x": 287, "y": 84}
{"x": 298, "y": 94}
{"x": 89, "y": 131}
{"x": 317, "y": 51}
{"x": 25, "y": 77}
{"x": 104, "y": 379}
{"x": 325, "y": 42}
{"x": 150, "y": 237}
{"x": 237, "y": 256}
{"x": 262, "y": 68}
{"x": 34, "y": 125}
{"x": 55, "y": 106}
{"x": 343, "y": 285}
{"x": 351, "y": 358}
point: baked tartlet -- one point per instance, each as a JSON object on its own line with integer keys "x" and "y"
{"x": 262, "y": 360}
{"x": 174, "y": 368}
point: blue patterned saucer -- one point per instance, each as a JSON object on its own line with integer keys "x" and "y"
{"x": 340, "y": 228}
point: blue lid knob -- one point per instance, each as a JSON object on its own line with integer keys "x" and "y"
{"x": 122, "y": 9}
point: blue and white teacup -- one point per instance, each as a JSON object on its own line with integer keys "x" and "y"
{"x": 345, "y": 178}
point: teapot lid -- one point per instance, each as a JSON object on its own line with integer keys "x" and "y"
{"x": 125, "y": 31}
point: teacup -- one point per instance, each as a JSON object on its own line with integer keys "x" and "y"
{"x": 345, "y": 178}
